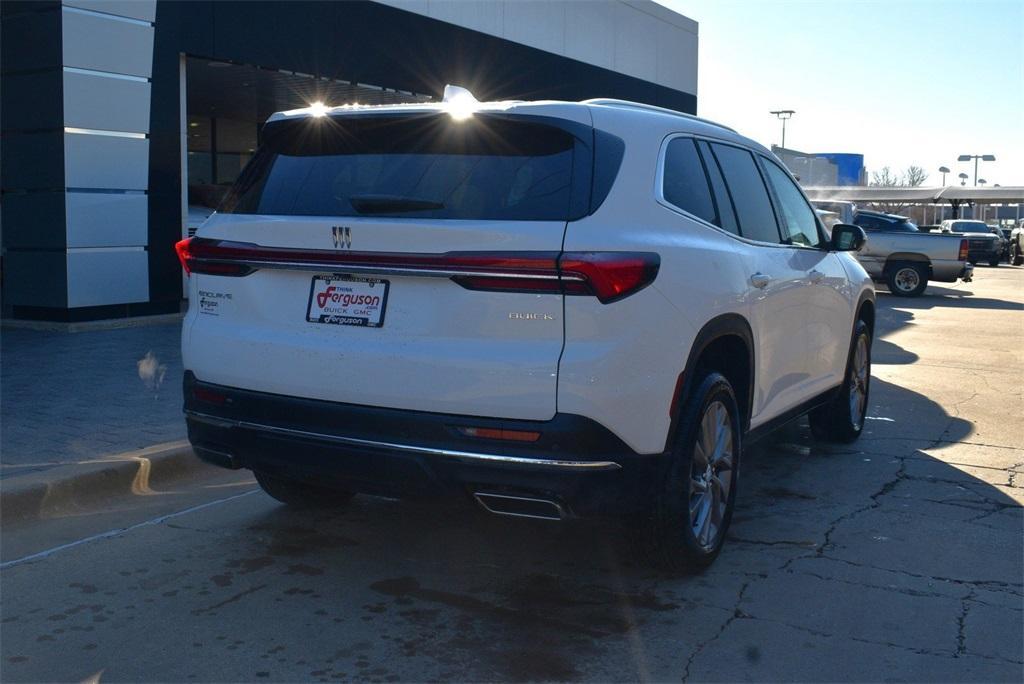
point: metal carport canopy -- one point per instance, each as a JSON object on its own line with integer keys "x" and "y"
{"x": 952, "y": 193}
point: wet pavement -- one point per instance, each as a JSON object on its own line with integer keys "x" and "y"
{"x": 896, "y": 558}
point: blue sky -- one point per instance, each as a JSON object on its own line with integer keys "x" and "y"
{"x": 900, "y": 81}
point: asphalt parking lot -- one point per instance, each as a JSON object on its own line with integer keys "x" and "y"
{"x": 898, "y": 558}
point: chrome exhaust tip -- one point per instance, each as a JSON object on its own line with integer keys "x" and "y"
{"x": 520, "y": 506}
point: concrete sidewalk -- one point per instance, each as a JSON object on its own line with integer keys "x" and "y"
{"x": 72, "y": 397}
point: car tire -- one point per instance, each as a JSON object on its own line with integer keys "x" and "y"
{"x": 690, "y": 512}
{"x": 842, "y": 418}
{"x": 1016, "y": 258}
{"x": 994, "y": 261}
{"x": 301, "y": 495}
{"x": 907, "y": 279}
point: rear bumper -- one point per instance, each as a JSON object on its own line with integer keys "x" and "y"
{"x": 577, "y": 463}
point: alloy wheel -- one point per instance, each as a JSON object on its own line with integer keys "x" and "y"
{"x": 711, "y": 474}
{"x": 859, "y": 382}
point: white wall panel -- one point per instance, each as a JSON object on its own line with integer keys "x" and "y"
{"x": 106, "y": 219}
{"x": 677, "y": 67}
{"x": 97, "y": 278}
{"x": 636, "y": 46}
{"x": 537, "y": 23}
{"x": 486, "y": 17}
{"x": 638, "y": 38}
{"x": 104, "y": 103}
{"x": 136, "y": 9}
{"x": 590, "y": 32}
{"x": 106, "y": 162}
{"x": 107, "y": 44}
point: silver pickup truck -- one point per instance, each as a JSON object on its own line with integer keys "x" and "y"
{"x": 898, "y": 254}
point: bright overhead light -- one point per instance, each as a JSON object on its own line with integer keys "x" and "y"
{"x": 988, "y": 157}
{"x": 318, "y": 109}
{"x": 964, "y": 157}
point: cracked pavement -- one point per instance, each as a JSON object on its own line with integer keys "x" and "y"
{"x": 897, "y": 558}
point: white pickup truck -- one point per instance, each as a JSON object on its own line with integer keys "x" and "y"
{"x": 898, "y": 254}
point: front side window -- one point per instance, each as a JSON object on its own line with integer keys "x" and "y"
{"x": 799, "y": 226}
{"x": 749, "y": 194}
{"x": 684, "y": 183}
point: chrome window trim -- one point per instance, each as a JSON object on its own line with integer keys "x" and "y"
{"x": 464, "y": 456}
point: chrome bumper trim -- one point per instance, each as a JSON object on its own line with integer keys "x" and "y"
{"x": 463, "y": 456}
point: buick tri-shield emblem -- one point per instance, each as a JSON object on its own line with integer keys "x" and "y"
{"x": 342, "y": 236}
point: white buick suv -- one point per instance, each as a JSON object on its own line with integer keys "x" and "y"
{"x": 557, "y": 308}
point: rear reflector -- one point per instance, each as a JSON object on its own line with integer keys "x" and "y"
{"x": 209, "y": 396}
{"x": 498, "y": 433}
{"x": 964, "y": 251}
{"x": 609, "y": 276}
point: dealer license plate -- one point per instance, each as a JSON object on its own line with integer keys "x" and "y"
{"x": 345, "y": 300}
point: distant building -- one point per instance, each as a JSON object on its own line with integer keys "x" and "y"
{"x": 824, "y": 168}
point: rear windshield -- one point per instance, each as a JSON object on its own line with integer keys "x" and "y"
{"x": 422, "y": 166}
{"x": 970, "y": 226}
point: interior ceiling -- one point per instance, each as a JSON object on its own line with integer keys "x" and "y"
{"x": 252, "y": 94}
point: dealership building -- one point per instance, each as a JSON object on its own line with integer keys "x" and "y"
{"x": 125, "y": 121}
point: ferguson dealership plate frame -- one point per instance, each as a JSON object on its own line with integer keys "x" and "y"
{"x": 339, "y": 299}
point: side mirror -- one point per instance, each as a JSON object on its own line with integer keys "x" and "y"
{"x": 847, "y": 237}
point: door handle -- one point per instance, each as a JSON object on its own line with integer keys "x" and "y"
{"x": 816, "y": 276}
{"x": 760, "y": 280}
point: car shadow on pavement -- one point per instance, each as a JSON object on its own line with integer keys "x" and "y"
{"x": 946, "y": 297}
{"x": 821, "y": 532}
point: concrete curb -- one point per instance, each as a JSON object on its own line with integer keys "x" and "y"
{"x": 78, "y": 487}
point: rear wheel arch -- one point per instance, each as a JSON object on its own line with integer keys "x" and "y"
{"x": 897, "y": 258}
{"x": 725, "y": 344}
{"x": 866, "y": 312}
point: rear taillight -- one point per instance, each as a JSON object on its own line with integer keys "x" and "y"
{"x": 964, "y": 251}
{"x": 609, "y": 276}
{"x": 198, "y": 255}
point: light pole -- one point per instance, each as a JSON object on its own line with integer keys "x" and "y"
{"x": 963, "y": 178}
{"x": 784, "y": 115}
{"x": 943, "y": 170}
{"x": 982, "y": 182}
{"x": 976, "y": 157}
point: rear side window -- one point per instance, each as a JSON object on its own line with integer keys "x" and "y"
{"x": 800, "y": 227}
{"x": 749, "y": 194}
{"x": 423, "y": 166}
{"x": 684, "y": 183}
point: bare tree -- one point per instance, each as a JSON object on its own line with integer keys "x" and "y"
{"x": 914, "y": 177}
{"x": 884, "y": 178}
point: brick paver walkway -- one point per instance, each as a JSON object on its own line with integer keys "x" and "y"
{"x": 66, "y": 397}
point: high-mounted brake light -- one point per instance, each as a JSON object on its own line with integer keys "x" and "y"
{"x": 964, "y": 251}
{"x": 609, "y": 276}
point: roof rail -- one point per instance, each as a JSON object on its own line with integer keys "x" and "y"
{"x": 612, "y": 102}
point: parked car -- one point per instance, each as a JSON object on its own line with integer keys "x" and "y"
{"x": 985, "y": 242}
{"x": 1017, "y": 244}
{"x": 901, "y": 256}
{"x": 557, "y": 309}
